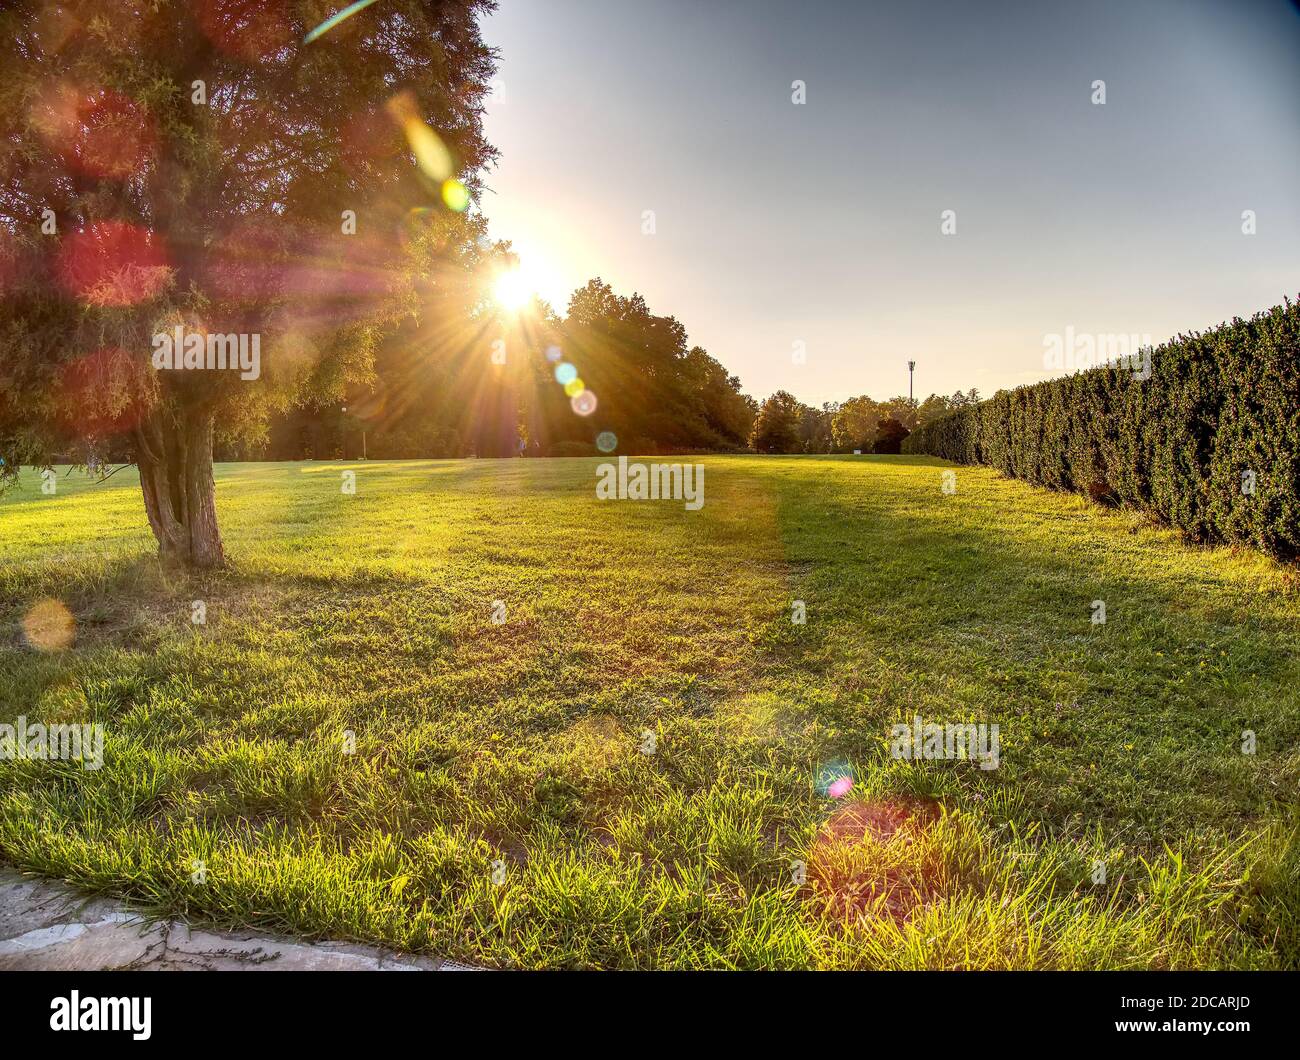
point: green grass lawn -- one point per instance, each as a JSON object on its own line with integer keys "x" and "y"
{"x": 500, "y": 807}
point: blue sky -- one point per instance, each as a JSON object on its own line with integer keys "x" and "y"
{"x": 820, "y": 223}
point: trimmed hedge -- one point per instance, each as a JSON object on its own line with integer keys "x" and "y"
{"x": 1217, "y": 404}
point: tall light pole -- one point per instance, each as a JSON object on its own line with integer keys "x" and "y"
{"x": 345, "y": 437}
{"x": 911, "y": 367}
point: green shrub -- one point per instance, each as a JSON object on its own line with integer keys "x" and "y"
{"x": 1182, "y": 444}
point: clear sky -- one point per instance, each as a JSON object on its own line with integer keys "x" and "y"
{"x": 820, "y": 223}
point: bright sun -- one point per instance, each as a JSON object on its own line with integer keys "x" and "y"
{"x": 512, "y": 290}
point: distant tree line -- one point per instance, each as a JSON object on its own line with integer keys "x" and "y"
{"x": 786, "y": 425}
{"x": 489, "y": 388}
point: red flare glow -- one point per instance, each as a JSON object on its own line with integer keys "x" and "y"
{"x": 112, "y": 263}
{"x": 97, "y": 131}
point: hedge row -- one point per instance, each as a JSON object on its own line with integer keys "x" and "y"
{"x": 1183, "y": 444}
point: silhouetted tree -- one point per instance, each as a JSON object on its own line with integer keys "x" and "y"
{"x": 889, "y": 436}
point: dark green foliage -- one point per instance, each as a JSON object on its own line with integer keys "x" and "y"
{"x": 889, "y": 436}
{"x": 657, "y": 392}
{"x": 1182, "y": 445}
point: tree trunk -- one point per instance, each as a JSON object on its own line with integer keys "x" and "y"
{"x": 175, "y": 460}
{"x": 201, "y": 496}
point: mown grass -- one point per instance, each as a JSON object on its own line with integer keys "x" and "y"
{"x": 499, "y": 807}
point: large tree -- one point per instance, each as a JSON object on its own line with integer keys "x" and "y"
{"x": 854, "y": 423}
{"x": 776, "y": 428}
{"x": 655, "y": 392}
{"x": 214, "y": 166}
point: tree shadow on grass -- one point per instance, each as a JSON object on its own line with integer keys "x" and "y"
{"x": 968, "y": 607}
{"x": 975, "y": 611}
{"x": 309, "y": 578}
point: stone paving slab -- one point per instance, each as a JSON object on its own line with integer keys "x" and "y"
{"x": 47, "y": 926}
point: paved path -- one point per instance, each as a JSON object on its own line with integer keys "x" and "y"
{"x": 45, "y": 925}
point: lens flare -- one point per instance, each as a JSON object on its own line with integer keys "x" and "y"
{"x": 335, "y": 19}
{"x": 415, "y": 225}
{"x": 98, "y": 132}
{"x": 596, "y": 744}
{"x": 606, "y": 441}
{"x": 581, "y": 400}
{"x": 875, "y": 858}
{"x": 49, "y": 626}
{"x": 455, "y": 195}
{"x": 112, "y": 263}
{"x": 835, "y": 779}
{"x": 431, "y": 154}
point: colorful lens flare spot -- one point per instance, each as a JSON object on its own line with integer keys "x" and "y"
{"x": 606, "y": 441}
{"x": 335, "y": 19}
{"x": 574, "y": 387}
{"x": 431, "y": 154}
{"x": 554, "y": 354}
{"x": 584, "y": 404}
{"x": 835, "y": 779}
{"x": 565, "y": 374}
{"x": 455, "y": 195}
{"x": 49, "y": 626}
{"x": 111, "y": 263}
{"x": 840, "y": 788}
